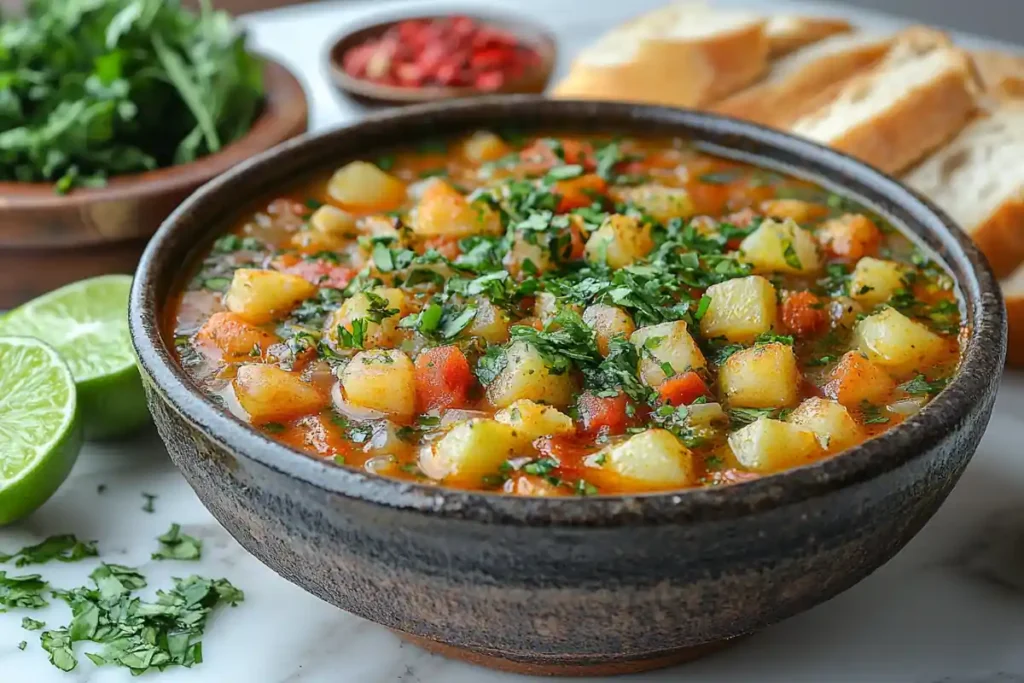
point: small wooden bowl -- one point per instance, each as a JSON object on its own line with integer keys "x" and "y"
{"x": 48, "y": 239}
{"x": 534, "y": 81}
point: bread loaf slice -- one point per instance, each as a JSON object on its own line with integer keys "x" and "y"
{"x": 1001, "y": 73}
{"x": 978, "y": 179}
{"x": 1013, "y": 292}
{"x": 918, "y": 97}
{"x": 685, "y": 54}
{"x": 788, "y": 32}
{"x": 805, "y": 80}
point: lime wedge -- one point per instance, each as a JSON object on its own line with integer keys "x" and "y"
{"x": 87, "y": 323}
{"x": 40, "y": 430}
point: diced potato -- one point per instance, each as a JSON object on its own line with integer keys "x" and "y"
{"x": 740, "y": 309}
{"x": 260, "y": 296}
{"x": 442, "y": 211}
{"x": 769, "y": 445}
{"x": 660, "y": 202}
{"x": 490, "y": 323}
{"x": 269, "y": 394}
{"x": 619, "y": 241}
{"x": 362, "y": 187}
{"x": 608, "y": 322}
{"x": 851, "y": 236}
{"x": 535, "y": 420}
{"x": 897, "y": 343}
{"x": 834, "y": 426}
{"x": 654, "y": 457}
{"x": 360, "y": 307}
{"x": 481, "y": 147}
{"x": 781, "y": 247}
{"x": 664, "y": 345}
{"x": 527, "y": 376}
{"x": 761, "y": 377}
{"x": 471, "y": 450}
{"x": 334, "y": 222}
{"x": 874, "y": 281}
{"x": 228, "y": 336}
{"x": 382, "y": 380}
{"x": 856, "y": 380}
{"x": 537, "y": 252}
{"x": 795, "y": 209}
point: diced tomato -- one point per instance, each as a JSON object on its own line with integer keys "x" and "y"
{"x": 579, "y": 192}
{"x": 569, "y": 451}
{"x": 443, "y": 378}
{"x": 683, "y": 389}
{"x": 803, "y": 313}
{"x": 610, "y": 414}
{"x": 578, "y": 152}
{"x": 446, "y": 246}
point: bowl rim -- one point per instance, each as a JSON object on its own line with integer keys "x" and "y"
{"x": 284, "y": 102}
{"x": 541, "y": 38}
{"x": 982, "y": 356}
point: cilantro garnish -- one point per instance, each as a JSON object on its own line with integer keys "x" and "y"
{"x": 920, "y": 386}
{"x": 148, "y": 505}
{"x": 30, "y": 624}
{"x": 175, "y": 545}
{"x": 22, "y": 591}
{"x": 790, "y": 255}
{"x": 872, "y": 414}
{"x": 64, "y": 548}
{"x": 490, "y": 364}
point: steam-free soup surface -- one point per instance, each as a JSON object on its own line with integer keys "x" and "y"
{"x": 565, "y": 315}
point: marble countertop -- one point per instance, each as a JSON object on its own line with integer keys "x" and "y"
{"x": 949, "y": 608}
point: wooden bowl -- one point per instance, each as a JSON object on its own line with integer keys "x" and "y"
{"x": 535, "y": 80}
{"x": 48, "y": 239}
{"x": 584, "y": 586}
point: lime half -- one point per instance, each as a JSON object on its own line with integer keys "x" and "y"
{"x": 87, "y": 323}
{"x": 40, "y": 430}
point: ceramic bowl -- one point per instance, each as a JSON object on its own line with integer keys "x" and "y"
{"x": 534, "y": 80}
{"x": 48, "y": 239}
{"x": 566, "y": 585}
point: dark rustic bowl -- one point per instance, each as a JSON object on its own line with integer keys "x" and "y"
{"x": 48, "y": 239}
{"x": 533, "y": 81}
{"x": 568, "y": 585}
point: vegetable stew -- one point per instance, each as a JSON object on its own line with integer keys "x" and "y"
{"x": 552, "y": 316}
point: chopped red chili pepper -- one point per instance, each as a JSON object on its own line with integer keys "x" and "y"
{"x": 453, "y": 51}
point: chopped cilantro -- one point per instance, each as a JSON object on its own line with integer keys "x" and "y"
{"x": 22, "y": 591}
{"x": 148, "y": 505}
{"x": 30, "y": 624}
{"x": 790, "y": 255}
{"x": 231, "y": 243}
{"x": 175, "y": 545}
{"x": 920, "y": 386}
{"x": 541, "y": 467}
{"x": 585, "y": 488}
{"x": 65, "y": 548}
{"x": 740, "y": 417}
{"x": 490, "y": 364}
{"x": 565, "y": 172}
{"x": 872, "y": 414}
{"x": 772, "y": 338}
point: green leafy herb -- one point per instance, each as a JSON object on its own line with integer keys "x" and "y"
{"x": 386, "y": 162}
{"x": 232, "y": 243}
{"x": 490, "y": 364}
{"x": 740, "y": 417}
{"x": 565, "y": 172}
{"x": 772, "y": 338}
{"x": 585, "y": 488}
{"x": 22, "y": 591}
{"x": 148, "y": 505}
{"x": 65, "y": 548}
{"x": 920, "y": 386}
{"x": 30, "y": 624}
{"x": 607, "y": 157}
{"x": 175, "y": 545}
{"x": 107, "y": 87}
{"x": 58, "y": 645}
{"x": 713, "y": 462}
{"x": 702, "y": 307}
{"x": 790, "y": 255}
{"x": 22, "y": 645}
{"x": 541, "y": 467}
{"x": 872, "y": 414}
{"x": 272, "y": 427}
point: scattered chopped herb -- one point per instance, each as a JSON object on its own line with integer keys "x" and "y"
{"x": 22, "y": 645}
{"x": 65, "y": 548}
{"x": 772, "y": 338}
{"x": 585, "y": 488}
{"x": 30, "y": 624}
{"x": 920, "y": 386}
{"x": 541, "y": 467}
{"x": 22, "y": 591}
{"x": 148, "y": 505}
{"x": 740, "y": 417}
{"x": 702, "y": 307}
{"x": 231, "y": 243}
{"x": 565, "y": 172}
{"x": 490, "y": 364}
{"x": 272, "y": 427}
{"x": 872, "y": 414}
{"x": 175, "y": 545}
{"x": 386, "y": 162}
{"x": 339, "y": 459}
{"x": 790, "y": 255}
{"x": 714, "y": 462}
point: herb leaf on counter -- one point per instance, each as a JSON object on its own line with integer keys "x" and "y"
{"x": 65, "y": 548}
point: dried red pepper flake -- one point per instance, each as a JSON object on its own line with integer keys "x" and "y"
{"x": 450, "y": 51}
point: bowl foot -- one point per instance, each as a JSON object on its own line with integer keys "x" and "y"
{"x": 569, "y": 666}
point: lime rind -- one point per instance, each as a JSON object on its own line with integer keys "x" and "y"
{"x": 84, "y": 321}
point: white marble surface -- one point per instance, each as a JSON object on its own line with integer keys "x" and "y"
{"x": 949, "y": 608}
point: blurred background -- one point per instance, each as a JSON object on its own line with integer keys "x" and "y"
{"x": 996, "y": 18}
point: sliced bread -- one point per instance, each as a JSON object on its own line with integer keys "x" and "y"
{"x": 1001, "y": 73}
{"x": 978, "y": 179}
{"x": 789, "y": 32}
{"x": 685, "y": 54}
{"x": 805, "y": 80}
{"x": 1013, "y": 292}
{"x": 918, "y": 97}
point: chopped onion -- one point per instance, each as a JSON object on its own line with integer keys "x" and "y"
{"x": 907, "y": 406}
{"x": 452, "y": 417}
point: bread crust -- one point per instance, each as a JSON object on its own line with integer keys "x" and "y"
{"x": 714, "y": 67}
{"x": 807, "y": 30}
{"x": 810, "y": 87}
{"x": 1001, "y": 236}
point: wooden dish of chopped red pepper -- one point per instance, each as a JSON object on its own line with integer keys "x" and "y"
{"x": 430, "y": 58}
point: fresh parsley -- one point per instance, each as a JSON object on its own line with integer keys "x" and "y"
{"x": 175, "y": 545}
{"x": 63, "y": 548}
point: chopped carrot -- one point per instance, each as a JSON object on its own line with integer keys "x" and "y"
{"x": 227, "y": 336}
{"x": 609, "y": 414}
{"x": 443, "y": 378}
{"x": 579, "y": 192}
{"x": 851, "y": 237}
{"x": 578, "y": 152}
{"x": 683, "y": 389}
{"x": 803, "y": 313}
{"x": 856, "y": 379}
